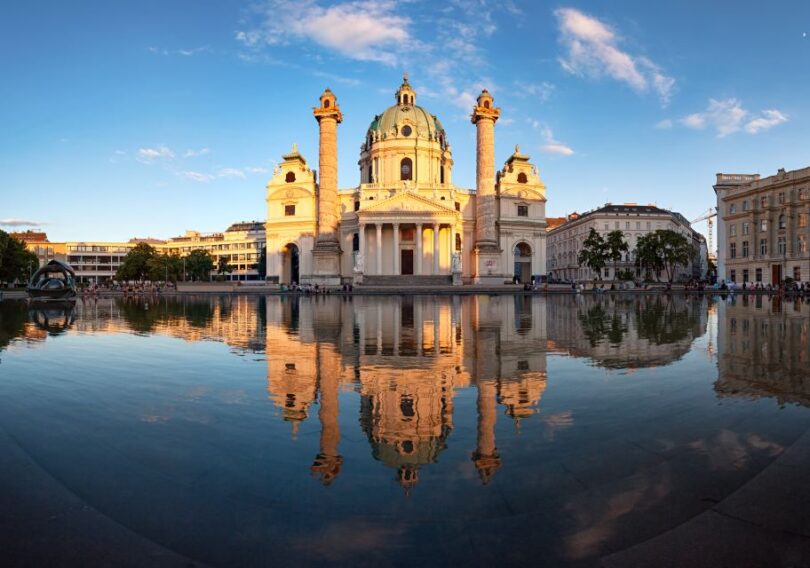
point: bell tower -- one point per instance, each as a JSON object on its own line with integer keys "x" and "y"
{"x": 487, "y": 251}
{"x": 326, "y": 252}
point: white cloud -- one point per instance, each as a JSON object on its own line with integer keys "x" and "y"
{"x": 728, "y": 116}
{"x": 231, "y": 172}
{"x": 197, "y": 176}
{"x": 20, "y": 223}
{"x": 593, "y": 51}
{"x": 257, "y": 170}
{"x": 187, "y": 52}
{"x": 149, "y": 155}
{"x": 550, "y": 145}
{"x": 542, "y": 91}
{"x": 665, "y": 124}
{"x": 194, "y": 153}
{"x": 365, "y": 30}
{"x": 769, "y": 119}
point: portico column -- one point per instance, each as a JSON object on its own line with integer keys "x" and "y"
{"x": 379, "y": 248}
{"x": 435, "y": 248}
{"x": 396, "y": 249}
{"x": 419, "y": 249}
{"x": 451, "y": 249}
{"x": 362, "y": 243}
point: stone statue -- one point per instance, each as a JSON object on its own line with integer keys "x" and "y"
{"x": 456, "y": 262}
{"x": 358, "y": 263}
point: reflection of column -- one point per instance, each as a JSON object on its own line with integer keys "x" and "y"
{"x": 397, "y": 325}
{"x": 379, "y": 329}
{"x": 435, "y": 248}
{"x": 419, "y": 249}
{"x": 379, "y": 248}
{"x": 435, "y": 329}
{"x": 396, "y": 249}
{"x": 328, "y": 462}
{"x": 486, "y": 457}
{"x": 419, "y": 323}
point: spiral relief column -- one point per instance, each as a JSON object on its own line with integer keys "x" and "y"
{"x": 487, "y": 250}
{"x": 326, "y": 253}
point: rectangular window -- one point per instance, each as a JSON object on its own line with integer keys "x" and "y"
{"x": 733, "y": 250}
{"x": 781, "y": 245}
{"x": 745, "y": 228}
{"x": 607, "y": 226}
{"x": 745, "y": 205}
{"x": 616, "y": 225}
{"x": 759, "y": 274}
{"x": 523, "y": 210}
{"x": 357, "y": 206}
{"x": 745, "y": 248}
{"x": 607, "y": 272}
{"x": 802, "y": 220}
{"x": 649, "y": 225}
{"x": 763, "y": 201}
{"x": 732, "y": 230}
{"x": 732, "y": 209}
{"x": 457, "y": 206}
{"x": 627, "y": 225}
{"x": 638, "y": 225}
{"x": 763, "y": 226}
{"x": 797, "y": 273}
{"x": 781, "y": 198}
{"x": 733, "y": 275}
{"x": 763, "y": 247}
{"x": 745, "y": 275}
{"x": 801, "y": 243}
{"x": 289, "y": 210}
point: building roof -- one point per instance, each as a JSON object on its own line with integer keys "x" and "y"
{"x": 554, "y": 222}
{"x": 30, "y": 236}
{"x": 627, "y": 208}
{"x": 246, "y": 226}
{"x": 427, "y": 125}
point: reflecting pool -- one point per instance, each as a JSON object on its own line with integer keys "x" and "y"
{"x": 440, "y": 430}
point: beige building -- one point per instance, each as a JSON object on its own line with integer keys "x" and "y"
{"x": 406, "y": 217}
{"x": 762, "y": 227}
{"x": 565, "y": 240}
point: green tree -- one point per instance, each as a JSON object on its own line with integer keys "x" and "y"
{"x": 261, "y": 267}
{"x": 136, "y": 264}
{"x": 16, "y": 262}
{"x": 663, "y": 250}
{"x": 615, "y": 246}
{"x": 199, "y": 264}
{"x": 593, "y": 253}
{"x": 223, "y": 267}
{"x": 165, "y": 267}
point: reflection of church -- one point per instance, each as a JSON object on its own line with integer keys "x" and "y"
{"x": 406, "y": 217}
{"x": 407, "y": 357}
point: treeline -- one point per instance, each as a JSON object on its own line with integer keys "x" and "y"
{"x": 16, "y": 262}
{"x": 145, "y": 262}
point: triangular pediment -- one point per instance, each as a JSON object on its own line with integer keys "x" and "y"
{"x": 522, "y": 192}
{"x": 407, "y": 202}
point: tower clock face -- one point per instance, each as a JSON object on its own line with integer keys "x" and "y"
{"x": 406, "y": 130}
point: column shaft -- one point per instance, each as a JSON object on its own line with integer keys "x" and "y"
{"x": 396, "y": 249}
{"x": 419, "y": 249}
{"x": 435, "y": 248}
{"x": 379, "y": 248}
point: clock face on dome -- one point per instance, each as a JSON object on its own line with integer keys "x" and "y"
{"x": 406, "y": 130}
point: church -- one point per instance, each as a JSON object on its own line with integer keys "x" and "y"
{"x": 406, "y": 223}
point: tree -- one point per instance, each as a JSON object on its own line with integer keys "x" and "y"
{"x": 615, "y": 246}
{"x": 166, "y": 267}
{"x": 593, "y": 253}
{"x": 16, "y": 262}
{"x": 199, "y": 264}
{"x": 261, "y": 267}
{"x": 663, "y": 250}
{"x": 223, "y": 267}
{"x": 136, "y": 264}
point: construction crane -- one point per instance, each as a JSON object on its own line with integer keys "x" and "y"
{"x": 708, "y": 216}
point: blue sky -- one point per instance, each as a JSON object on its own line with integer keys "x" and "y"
{"x": 147, "y": 118}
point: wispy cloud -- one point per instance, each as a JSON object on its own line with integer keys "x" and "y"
{"x": 593, "y": 51}
{"x": 541, "y": 91}
{"x": 197, "y": 176}
{"x": 665, "y": 124}
{"x": 550, "y": 144}
{"x": 151, "y": 155}
{"x": 194, "y": 153}
{"x": 231, "y": 172}
{"x": 365, "y": 30}
{"x": 20, "y": 223}
{"x": 728, "y": 116}
{"x": 186, "y": 52}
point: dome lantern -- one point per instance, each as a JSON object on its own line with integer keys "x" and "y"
{"x": 405, "y": 95}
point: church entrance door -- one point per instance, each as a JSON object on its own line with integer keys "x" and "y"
{"x": 407, "y": 261}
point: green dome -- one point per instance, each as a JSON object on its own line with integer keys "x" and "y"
{"x": 426, "y": 125}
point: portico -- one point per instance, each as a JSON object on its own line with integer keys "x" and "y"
{"x": 422, "y": 246}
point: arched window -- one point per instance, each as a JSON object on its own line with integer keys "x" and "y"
{"x": 486, "y": 104}
{"x": 441, "y": 175}
{"x": 369, "y": 175}
{"x": 781, "y": 221}
{"x": 522, "y": 178}
{"x": 326, "y": 103}
{"x": 290, "y": 177}
{"x": 406, "y": 169}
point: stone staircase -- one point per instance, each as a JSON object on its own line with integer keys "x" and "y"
{"x": 403, "y": 281}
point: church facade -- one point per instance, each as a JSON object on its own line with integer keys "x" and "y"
{"x": 406, "y": 223}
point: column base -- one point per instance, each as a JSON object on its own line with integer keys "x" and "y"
{"x": 326, "y": 264}
{"x": 488, "y": 268}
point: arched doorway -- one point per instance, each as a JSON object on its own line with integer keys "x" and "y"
{"x": 290, "y": 264}
{"x": 523, "y": 263}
